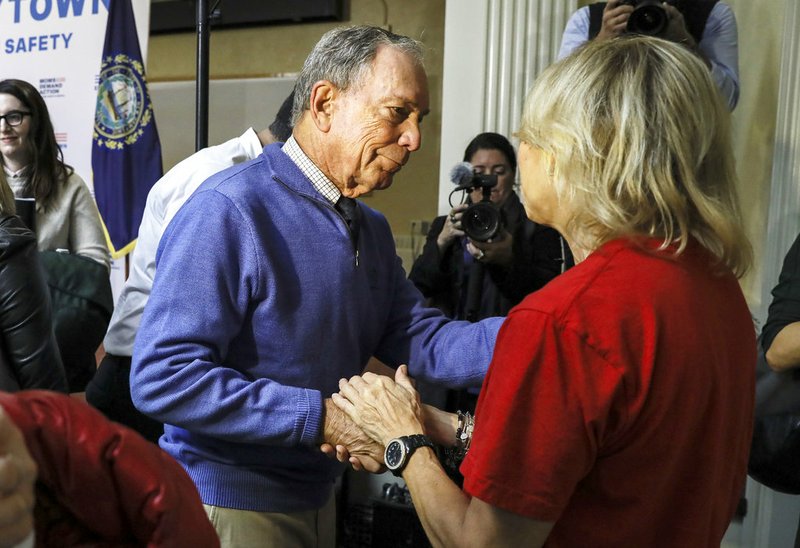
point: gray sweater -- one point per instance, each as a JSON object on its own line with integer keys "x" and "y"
{"x": 72, "y": 222}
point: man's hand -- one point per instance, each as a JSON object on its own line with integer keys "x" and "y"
{"x": 347, "y": 442}
{"x": 676, "y": 30}
{"x": 615, "y": 19}
{"x": 17, "y": 477}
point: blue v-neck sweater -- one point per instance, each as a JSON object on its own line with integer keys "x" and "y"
{"x": 261, "y": 303}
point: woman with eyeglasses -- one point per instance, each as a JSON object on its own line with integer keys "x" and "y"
{"x": 66, "y": 214}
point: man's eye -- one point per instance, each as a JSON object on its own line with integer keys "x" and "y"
{"x": 399, "y": 112}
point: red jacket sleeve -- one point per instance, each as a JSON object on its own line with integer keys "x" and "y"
{"x": 110, "y": 485}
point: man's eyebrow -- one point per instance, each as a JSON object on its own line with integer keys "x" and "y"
{"x": 404, "y": 101}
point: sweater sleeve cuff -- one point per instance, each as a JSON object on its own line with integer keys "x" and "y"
{"x": 311, "y": 431}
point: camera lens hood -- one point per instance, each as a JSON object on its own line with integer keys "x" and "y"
{"x": 481, "y": 221}
{"x": 649, "y": 17}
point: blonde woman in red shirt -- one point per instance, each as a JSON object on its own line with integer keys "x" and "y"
{"x": 617, "y": 410}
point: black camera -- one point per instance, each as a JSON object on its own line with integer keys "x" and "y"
{"x": 481, "y": 221}
{"x": 649, "y": 17}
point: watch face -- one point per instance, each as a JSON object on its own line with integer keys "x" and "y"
{"x": 394, "y": 454}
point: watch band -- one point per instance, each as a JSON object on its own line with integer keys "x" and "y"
{"x": 409, "y": 445}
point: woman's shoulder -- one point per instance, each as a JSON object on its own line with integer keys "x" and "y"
{"x": 73, "y": 190}
{"x": 75, "y": 183}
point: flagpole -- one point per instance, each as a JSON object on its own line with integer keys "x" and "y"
{"x": 201, "y": 113}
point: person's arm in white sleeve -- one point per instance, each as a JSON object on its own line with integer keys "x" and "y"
{"x": 576, "y": 33}
{"x": 720, "y": 45}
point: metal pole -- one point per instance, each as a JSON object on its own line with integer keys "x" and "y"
{"x": 201, "y": 112}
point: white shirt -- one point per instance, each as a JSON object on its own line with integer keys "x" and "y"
{"x": 165, "y": 198}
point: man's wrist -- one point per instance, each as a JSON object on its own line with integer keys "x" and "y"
{"x": 327, "y": 430}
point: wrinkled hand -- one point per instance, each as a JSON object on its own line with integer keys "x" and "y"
{"x": 498, "y": 250}
{"x": 383, "y": 408}
{"x": 372, "y": 464}
{"x": 615, "y": 19}
{"x": 348, "y": 443}
{"x": 451, "y": 230}
{"x": 17, "y": 477}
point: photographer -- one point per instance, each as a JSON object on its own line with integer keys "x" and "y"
{"x": 521, "y": 258}
{"x": 706, "y": 27}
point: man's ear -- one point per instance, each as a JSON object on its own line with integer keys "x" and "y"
{"x": 323, "y": 95}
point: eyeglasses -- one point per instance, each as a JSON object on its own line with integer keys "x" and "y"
{"x": 14, "y": 118}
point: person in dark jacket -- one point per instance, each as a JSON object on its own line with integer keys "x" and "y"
{"x": 29, "y": 356}
{"x": 522, "y": 259}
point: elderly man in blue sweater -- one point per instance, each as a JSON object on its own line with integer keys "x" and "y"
{"x": 268, "y": 291}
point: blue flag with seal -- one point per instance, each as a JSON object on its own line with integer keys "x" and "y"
{"x": 126, "y": 152}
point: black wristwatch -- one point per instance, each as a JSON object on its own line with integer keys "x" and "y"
{"x": 399, "y": 450}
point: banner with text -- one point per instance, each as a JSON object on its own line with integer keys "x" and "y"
{"x": 57, "y": 46}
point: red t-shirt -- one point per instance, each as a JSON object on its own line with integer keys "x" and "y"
{"x": 619, "y": 402}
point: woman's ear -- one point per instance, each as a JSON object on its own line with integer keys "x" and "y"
{"x": 323, "y": 95}
{"x": 551, "y": 165}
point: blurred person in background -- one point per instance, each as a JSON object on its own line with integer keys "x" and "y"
{"x": 522, "y": 257}
{"x": 67, "y": 225}
{"x": 707, "y": 28}
{"x": 29, "y": 355}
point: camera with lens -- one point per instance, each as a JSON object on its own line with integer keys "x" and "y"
{"x": 481, "y": 221}
{"x": 649, "y": 17}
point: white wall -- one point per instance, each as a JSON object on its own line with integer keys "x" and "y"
{"x": 493, "y": 50}
{"x": 234, "y": 105}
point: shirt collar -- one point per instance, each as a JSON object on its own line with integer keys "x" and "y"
{"x": 15, "y": 174}
{"x": 321, "y": 183}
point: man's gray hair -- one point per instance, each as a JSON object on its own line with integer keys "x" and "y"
{"x": 342, "y": 56}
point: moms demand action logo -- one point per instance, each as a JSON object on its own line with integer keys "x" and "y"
{"x": 122, "y": 111}
{"x": 52, "y": 87}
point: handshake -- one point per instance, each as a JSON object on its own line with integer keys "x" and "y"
{"x": 371, "y": 411}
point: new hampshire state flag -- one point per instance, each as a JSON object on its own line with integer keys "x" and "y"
{"x": 126, "y": 152}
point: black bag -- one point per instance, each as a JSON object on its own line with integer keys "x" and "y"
{"x": 775, "y": 448}
{"x": 80, "y": 292}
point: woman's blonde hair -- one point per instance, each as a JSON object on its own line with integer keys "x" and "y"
{"x": 641, "y": 145}
{"x": 7, "y": 204}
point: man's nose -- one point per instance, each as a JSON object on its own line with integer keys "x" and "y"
{"x": 411, "y": 138}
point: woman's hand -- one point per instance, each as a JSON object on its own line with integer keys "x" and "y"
{"x": 382, "y": 408}
{"x": 452, "y": 227}
{"x": 498, "y": 250}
